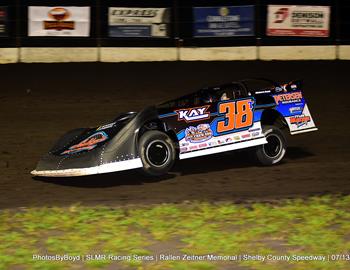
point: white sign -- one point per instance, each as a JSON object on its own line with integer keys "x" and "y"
{"x": 305, "y": 21}
{"x": 138, "y": 22}
{"x": 59, "y": 21}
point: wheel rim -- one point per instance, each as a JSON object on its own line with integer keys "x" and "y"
{"x": 157, "y": 153}
{"x": 273, "y": 147}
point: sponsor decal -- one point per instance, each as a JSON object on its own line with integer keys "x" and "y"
{"x": 223, "y": 21}
{"x": 185, "y": 144}
{"x": 87, "y": 144}
{"x": 288, "y": 98}
{"x": 183, "y": 149}
{"x": 254, "y": 129}
{"x": 107, "y": 126}
{"x": 255, "y": 134}
{"x": 294, "y": 86}
{"x": 300, "y": 120}
{"x": 236, "y": 138}
{"x": 203, "y": 145}
{"x": 263, "y": 92}
{"x": 294, "y": 20}
{"x": 193, "y": 114}
{"x": 59, "y": 21}
{"x": 212, "y": 143}
{"x": 295, "y": 110}
{"x": 193, "y": 147}
{"x": 279, "y": 89}
{"x": 228, "y": 140}
{"x": 198, "y": 134}
{"x": 221, "y": 141}
{"x": 245, "y": 136}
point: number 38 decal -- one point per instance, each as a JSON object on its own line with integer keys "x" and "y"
{"x": 237, "y": 115}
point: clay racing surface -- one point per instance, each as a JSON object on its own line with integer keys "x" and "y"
{"x": 40, "y": 102}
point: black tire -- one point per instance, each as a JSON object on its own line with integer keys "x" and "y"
{"x": 157, "y": 152}
{"x": 275, "y": 149}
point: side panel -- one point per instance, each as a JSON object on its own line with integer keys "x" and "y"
{"x": 216, "y": 127}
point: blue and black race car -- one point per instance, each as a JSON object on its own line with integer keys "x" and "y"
{"x": 252, "y": 114}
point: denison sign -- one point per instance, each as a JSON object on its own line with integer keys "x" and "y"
{"x": 301, "y": 21}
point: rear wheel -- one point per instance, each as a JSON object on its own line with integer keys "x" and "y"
{"x": 157, "y": 152}
{"x": 274, "y": 150}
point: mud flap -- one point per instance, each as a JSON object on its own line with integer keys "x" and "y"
{"x": 301, "y": 123}
{"x": 292, "y": 105}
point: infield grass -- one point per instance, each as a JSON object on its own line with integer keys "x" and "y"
{"x": 315, "y": 226}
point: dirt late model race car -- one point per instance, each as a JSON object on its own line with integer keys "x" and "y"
{"x": 245, "y": 114}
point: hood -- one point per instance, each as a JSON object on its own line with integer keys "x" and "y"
{"x": 93, "y": 147}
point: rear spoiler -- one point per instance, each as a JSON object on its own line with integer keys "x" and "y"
{"x": 275, "y": 87}
{"x": 292, "y": 85}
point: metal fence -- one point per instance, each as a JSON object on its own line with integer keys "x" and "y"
{"x": 180, "y": 25}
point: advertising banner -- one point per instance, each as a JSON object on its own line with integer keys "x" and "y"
{"x": 138, "y": 22}
{"x": 62, "y": 21}
{"x": 299, "y": 21}
{"x": 3, "y": 21}
{"x": 227, "y": 21}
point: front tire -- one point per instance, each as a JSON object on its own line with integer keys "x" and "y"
{"x": 275, "y": 149}
{"x": 157, "y": 152}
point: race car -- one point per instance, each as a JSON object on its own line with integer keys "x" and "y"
{"x": 255, "y": 114}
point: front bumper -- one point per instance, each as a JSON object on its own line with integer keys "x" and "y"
{"x": 104, "y": 168}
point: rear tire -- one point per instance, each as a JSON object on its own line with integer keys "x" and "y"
{"x": 275, "y": 149}
{"x": 157, "y": 152}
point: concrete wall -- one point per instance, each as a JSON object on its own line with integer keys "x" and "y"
{"x": 121, "y": 54}
{"x": 344, "y": 52}
{"x": 53, "y": 55}
{"x": 218, "y": 53}
{"x": 297, "y": 53}
{"x": 8, "y": 55}
{"x": 138, "y": 54}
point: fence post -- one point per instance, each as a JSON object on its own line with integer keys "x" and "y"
{"x": 98, "y": 29}
{"x": 177, "y": 39}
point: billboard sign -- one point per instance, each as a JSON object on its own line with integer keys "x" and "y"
{"x": 3, "y": 21}
{"x": 223, "y": 21}
{"x": 299, "y": 21}
{"x": 138, "y": 22}
{"x": 64, "y": 21}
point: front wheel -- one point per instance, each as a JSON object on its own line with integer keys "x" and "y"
{"x": 157, "y": 152}
{"x": 274, "y": 150}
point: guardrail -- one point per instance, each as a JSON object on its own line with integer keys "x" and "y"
{"x": 125, "y": 54}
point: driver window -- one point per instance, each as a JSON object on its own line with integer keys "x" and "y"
{"x": 224, "y": 96}
{"x": 232, "y": 92}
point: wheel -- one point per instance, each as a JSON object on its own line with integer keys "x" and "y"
{"x": 157, "y": 152}
{"x": 275, "y": 149}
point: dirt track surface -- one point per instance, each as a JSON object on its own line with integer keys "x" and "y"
{"x": 39, "y": 102}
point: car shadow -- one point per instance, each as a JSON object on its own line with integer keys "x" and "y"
{"x": 295, "y": 153}
{"x": 231, "y": 160}
{"x": 199, "y": 165}
{"x": 124, "y": 178}
{"x": 213, "y": 163}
